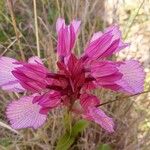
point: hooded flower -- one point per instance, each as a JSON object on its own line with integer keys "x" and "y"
{"x": 74, "y": 80}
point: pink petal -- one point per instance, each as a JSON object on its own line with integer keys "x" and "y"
{"x": 105, "y": 44}
{"x": 66, "y": 40}
{"x": 76, "y": 25}
{"x": 32, "y": 76}
{"x": 98, "y": 116}
{"x": 97, "y": 47}
{"x": 67, "y": 35}
{"x": 70, "y": 62}
{"x": 133, "y": 77}
{"x": 89, "y": 86}
{"x": 7, "y": 80}
{"x": 35, "y": 60}
{"x": 24, "y": 114}
{"x": 111, "y": 49}
{"x": 59, "y": 24}
{"x": 50, "y": 99}
{"x": 103, "y": 68}
{"x": 88, "y": 100}
{"x": 108, "y": 80}
{"x": 114, "y": 29}
{"x": 96, "y": 36}
{"x": 113, "y": 86}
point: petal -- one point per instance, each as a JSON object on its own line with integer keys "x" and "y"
{"x": 70, "y": 62}
{"x": 102, "y": 68}
{"x": 76, "y": 25}
{"x": 35, "y": 60}
{"x": 32, "y": 77}
{"x": 59, "y": 23}
{"x": 48, "y": 100}
{"x": 113, "y": 86}
{"x": 105, "y": 73}
{"x": 67, "y": 35}
{"x": 133, "y": 77}
{"x": 88, "y": 86}
{"x": 97, "y": 47}
{"x": 96, "y": 36}
{"x": 111, "y": 49}
{"x": 98, "y": 116}
{"x": 87, "y": 100}
{"x": 114, "y": 29}
{"x": 66, "y": 41}
{"x": 109, "y": 80}
{"x": 7, "y": 79}
{"x": 105, "y": 44}
{"x": 24, "y": 114}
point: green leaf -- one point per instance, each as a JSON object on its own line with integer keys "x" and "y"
{"x": 65, "y": 142}
{"x": 104, "y": 147}
{"x": 68, "y": 138}
{"x": 68, "y": 122}
{"x": 5, "y": 142}
{"x": 3, "y": 38}
{"x": 79, "y": 127}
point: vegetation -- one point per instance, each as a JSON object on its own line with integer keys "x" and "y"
{"x": 27, "y": 29}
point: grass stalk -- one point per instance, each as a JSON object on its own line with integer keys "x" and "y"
{"x": 36, "y": 28}
{"x": 10, "y": 7}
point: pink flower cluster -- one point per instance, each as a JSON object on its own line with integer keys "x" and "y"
{"x": 75, "y": 78}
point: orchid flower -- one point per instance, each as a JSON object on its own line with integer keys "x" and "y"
{"x": 74, "y": 80}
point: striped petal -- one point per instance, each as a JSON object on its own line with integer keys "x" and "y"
{"x": 88, "y": 100}
{"x": 24, "y": 114}
{"x": 32, "y": 76}
{"x": 67, "y": 35}
{"x": 48, "y": 100}
{"x": 7, "y": 79}
{"x": 99, "y": 117}
{"x": 133, "y": 77}
{"x": 105, "y": 44}
{"x": 103, "y": 68}
{"x": 114, "y": 29}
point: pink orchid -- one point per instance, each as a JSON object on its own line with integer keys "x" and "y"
{"x": 71, "y": 84}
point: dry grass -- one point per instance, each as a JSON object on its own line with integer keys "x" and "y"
{"x": 27, "y": 29}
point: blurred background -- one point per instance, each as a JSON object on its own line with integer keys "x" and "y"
{"x": 18, "y": 36}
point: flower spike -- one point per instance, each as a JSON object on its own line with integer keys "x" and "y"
{"x": 72, "y": 84}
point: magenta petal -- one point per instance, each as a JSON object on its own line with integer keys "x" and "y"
{"x": 133, "y": 77}
{"x": 114, "y": 29}
{"x": 24, "y": 114}
{"x": 7, "y": 79}
{"x": 70, "y": 62}
{"x": 50, "y": 99}
{"x": 103, "y": 68}
{"x": 32, "y": 77}
{"x": 113, "y": 87}
{"x": 111, "y": 49}
{"x": 88, "y": 100}
{"x": 104, "y": 44}
{"x": 98, "y": 116}
{"x": 66, "y": 37}
{"x": 110, "y": 79}
{"x": 96, "y": 48}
